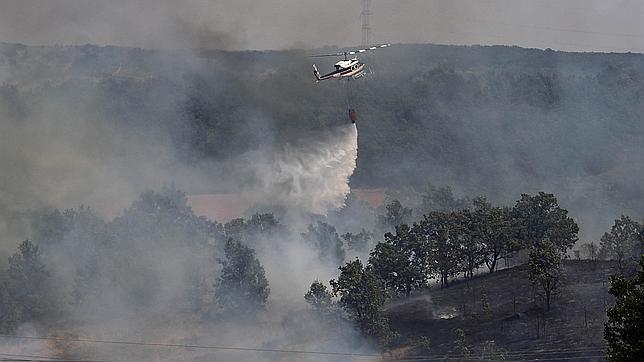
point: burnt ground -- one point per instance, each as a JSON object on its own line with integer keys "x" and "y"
{"x": 503, "y": 315}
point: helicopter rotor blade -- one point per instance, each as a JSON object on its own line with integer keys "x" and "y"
{"x": 327, "y": 55}
{"x": 370, "y": 48}
{"x": 352, "y": 52}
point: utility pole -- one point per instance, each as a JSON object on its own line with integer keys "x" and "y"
{"x": 366, "y": 29}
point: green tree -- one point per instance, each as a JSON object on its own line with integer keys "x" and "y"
{"x": 641, "y": 239}
{"x": 395, "y": 214}
{"x": 592, "y": 252}
{"x": 362, "y": 294}
{"x": 622, "y": 243}
{"x": 460, "y": 343}
{"x": 401, "y": 262}
{"x": 242, "y": 284}
{"x": 624, "y": 329}
{"x": 265, "y": 224}
{"x": 9, "y": 310}
{"x": 325, "y": 239}
{"x": 27, "y": 293}
{"x": 546, "y": 268}
{"x": 358, "y": 242}
{"x": 441, "y": 199}
{"x": 165, "y": 218}
{"x": 354, "y": 215}
{"x": 258, "y": 227}
{"x": 466, "y": 227}
{"x": 319, "y": 298}
{"x": 496, "y": 230}
{"x": 199, "y": 293}
{"x": 76, "y": 234}
{"x": 406, "y": 195}
{"x": 540, "y": 218}
{"x": 236, "y": 229}
{"x": 157, "y": 223}
{"x": 50, "y": 226}
{"x": 439, "y": 235}
{"x": 422, "y": 346}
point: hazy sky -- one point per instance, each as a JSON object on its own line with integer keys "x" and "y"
{"x": 599, "y": 25}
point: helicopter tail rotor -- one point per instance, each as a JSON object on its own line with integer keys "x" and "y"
{"x": 316, "y": 73}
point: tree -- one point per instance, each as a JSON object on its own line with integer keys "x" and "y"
{"x": 540, "y": 218}
{"x": 157, "y": 223}
{"x": 319, "y": 298}
{"x": 354, "y": 215}
{"x": 325, "y": 239}
{"x": 259, "y": 226}
{"x": 641, "y": 239}
{"x": 395, "y": 214}
{"x": 422, "y": 346}
{"x": 592, "y": 253}
{"x": 441, "y": 199}
{"x": 359, "y": 242}
{"x": 362, "y": 295}
{"x": 472, "y": 251}
{"x": 165, "y": 218}
{"x": 439, "y": 236}
{"x": 80, "y": 227}
{"x": 546, "y": 268}
{"x": 406, "y": 195}
{"x": 496, "y": 230}
{"x": 401, "y": 262}
{"x": 50, "y": 226}
{"x": 265, "y": 224}
{"x": 460, "y": 344}
{"x": 27, "y": 294}
{"x": 242, "y": 284}
{"x": 9, "y": 310}
{"x": 622, "y": 242}
{"x": 235, "y": 228}
{"x": 75, "y": 234}
{"x": 199, "y": 294}
{"x": 624, "y": 329}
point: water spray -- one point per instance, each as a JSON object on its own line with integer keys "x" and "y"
{"x": 311, "y": 177}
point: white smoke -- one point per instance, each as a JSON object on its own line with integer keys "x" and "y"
{"x": 311, "y": 177}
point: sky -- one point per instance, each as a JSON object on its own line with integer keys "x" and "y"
{"x": 574, "y": 25}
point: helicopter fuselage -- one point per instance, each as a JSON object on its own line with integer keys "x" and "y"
{"x": 351, "y": 68}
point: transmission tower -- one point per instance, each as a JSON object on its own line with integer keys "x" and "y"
{"x": 366, "y": 29}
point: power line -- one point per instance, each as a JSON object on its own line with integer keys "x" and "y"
{"x": 25, "y": 355}
{"x": 525, "y": 353}
{"x": 516, "y": 354}
{"x": 562, "y": 354}
{"x": 19, "y": 357}
{"x": 191, "y": 346}
{"x": 4, "y": 356}
{"x": 27, "y": 359}
{"x": 478, "y": 358}
{"x": 32, "y": 359}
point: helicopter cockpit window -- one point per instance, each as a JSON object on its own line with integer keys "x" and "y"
{"x": 337, "y": 67}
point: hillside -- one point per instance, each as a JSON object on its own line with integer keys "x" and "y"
{"x": 486, "y": 120}
{"x": 514, "y": 323}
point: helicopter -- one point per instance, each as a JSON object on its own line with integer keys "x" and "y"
{"x": 347, "y": 68}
